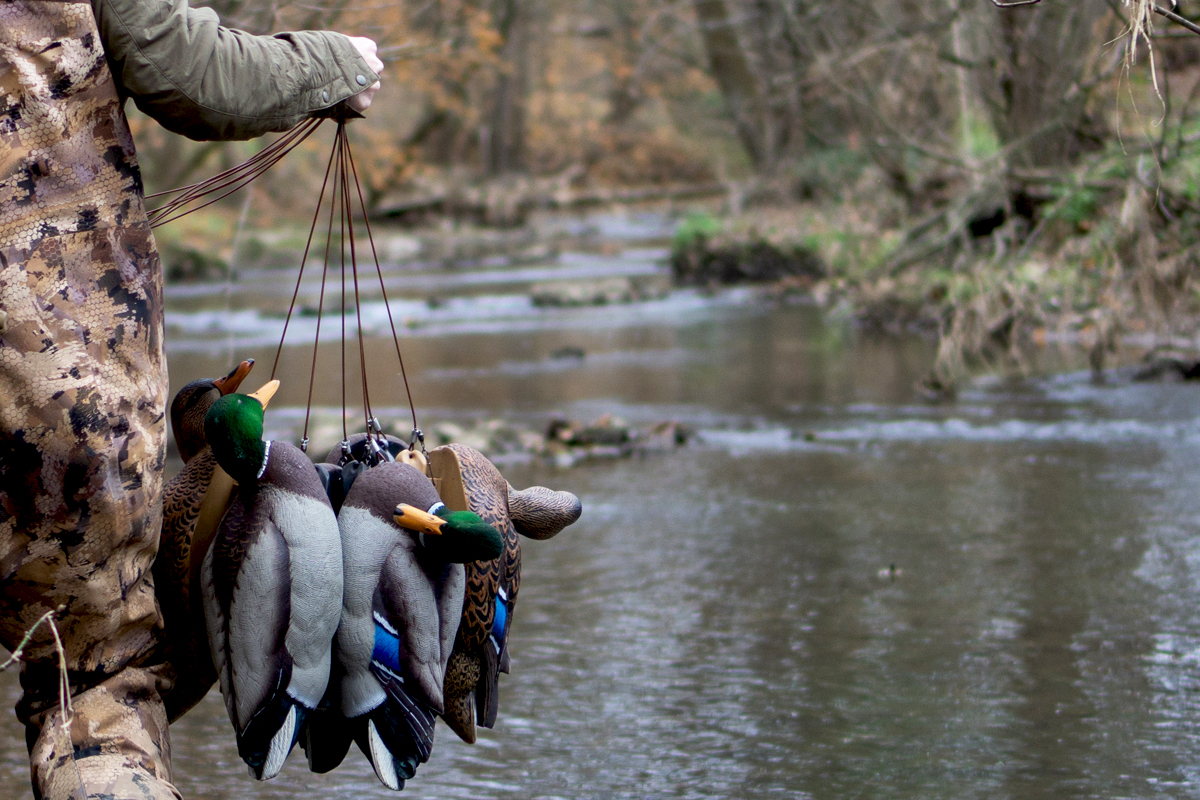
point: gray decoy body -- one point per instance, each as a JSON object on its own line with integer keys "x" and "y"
{"x": 272, "y": 586}
{"x": 401, "y": 605}
{"x": 400, "y": 611}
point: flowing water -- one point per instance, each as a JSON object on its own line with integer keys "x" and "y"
{"x": 835, "y": 590}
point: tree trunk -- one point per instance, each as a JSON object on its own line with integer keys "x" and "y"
{"x": 1039, "y": 57}
{"x": 739, "y": 86}
{"x": 503, "y": 142}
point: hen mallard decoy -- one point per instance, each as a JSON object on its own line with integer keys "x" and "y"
{"x": 403, "y": 597}
{"x": 272, "y": 584}
{"x": 183, "y": 542}
{"x": 468, "y": 481}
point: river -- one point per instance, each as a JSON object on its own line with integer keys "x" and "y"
{"x": 834, "y": 590}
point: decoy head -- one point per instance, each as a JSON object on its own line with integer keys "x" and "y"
{"x": 234, "y": 428}
{"x": 540, "y": 513}
{"x": 192, "y": 403}
{"x": 458, "y": 537}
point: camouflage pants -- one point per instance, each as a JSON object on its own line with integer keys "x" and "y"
{"x": 116, "y": 745}
{"x": 82, "y": 402}
{"x": 81, "y": 447}
{"x": 82, "y": 374}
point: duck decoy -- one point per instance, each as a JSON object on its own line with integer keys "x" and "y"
{"x": 200, "y": 486}
{"x": 468, "y": 481}
{"x": 271, "y": 582}
{"x": 404, "y": 584}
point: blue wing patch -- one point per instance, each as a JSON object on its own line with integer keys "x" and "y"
{"x": 387, "y": 648}
{"x": 501, "y": 621}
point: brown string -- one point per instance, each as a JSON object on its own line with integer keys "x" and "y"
{"x": 232, "y": 180}
{"x": 304, "y": 261}
{"x": 347, "y": 210}
{"x": 312, "y": 375}
{"x": 344, "y": 173}
{"x": 342, "y": 252}
{"x": 236, "y": 177}
{"x": 387, "y": 305}
{"x": 244, "y": 166}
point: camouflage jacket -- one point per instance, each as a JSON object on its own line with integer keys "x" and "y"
{"x": 82, "y": 375}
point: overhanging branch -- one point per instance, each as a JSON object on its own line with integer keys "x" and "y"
{"x": 1178, "y": 19}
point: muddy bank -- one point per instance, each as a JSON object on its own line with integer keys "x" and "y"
{"x": 701, "y": 261}
{"x": 1086, "y": 261}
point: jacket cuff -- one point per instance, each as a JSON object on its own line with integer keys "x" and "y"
{"x": 344, "y": 76}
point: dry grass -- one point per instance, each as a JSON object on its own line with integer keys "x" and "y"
{"x": 64, "y": 684}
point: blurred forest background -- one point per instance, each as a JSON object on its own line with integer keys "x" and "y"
{"x": 996, "y": 176}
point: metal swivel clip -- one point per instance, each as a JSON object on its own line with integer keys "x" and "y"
{"x": 417, "y": 437}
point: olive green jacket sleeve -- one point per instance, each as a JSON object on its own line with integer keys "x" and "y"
{"x": 202, "y": 80}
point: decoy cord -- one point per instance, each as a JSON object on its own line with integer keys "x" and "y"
{"x": 344, "y": 173}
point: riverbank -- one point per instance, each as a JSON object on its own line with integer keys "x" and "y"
{"x": 1092, "y": 260}
{"x": 1099, "y": 264}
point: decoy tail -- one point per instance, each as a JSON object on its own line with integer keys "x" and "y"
{"x": 328, "y": 735}
{"x": 487, "y": 691}
{"x": 270, "y": 735}
{"x": 462, "y": 675}
{"x": 326, "y": 741}
{"x": 398, "y": 735}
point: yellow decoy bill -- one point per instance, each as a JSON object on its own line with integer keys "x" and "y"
{"x": 267, "y": 391}
{"x": 414, "y": 519}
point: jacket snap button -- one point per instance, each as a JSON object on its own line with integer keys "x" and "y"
{"x": 325, "y": 96}
{"x": 362, "y": 80}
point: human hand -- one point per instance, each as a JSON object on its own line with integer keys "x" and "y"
{"x": 367, "y": 49}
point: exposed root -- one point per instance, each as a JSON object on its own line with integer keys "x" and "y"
{"x": 1141, "y": 26}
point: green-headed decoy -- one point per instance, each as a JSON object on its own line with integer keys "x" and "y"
{"x": 468, "y": 481}
{"x": 200, "y": 485}
{"x": 271, "y": 582}
{"x": 400, "y": 610}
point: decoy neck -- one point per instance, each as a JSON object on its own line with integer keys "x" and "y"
{"x": 457, "y": 537}
{"x": 234, "y": 428}
{"x": 468, "y": 538}
{"x": 192, "y": 403}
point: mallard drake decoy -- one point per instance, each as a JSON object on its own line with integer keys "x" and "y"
{"x": 400, "y": 611}
{"x": 183, "y": 543}
{"x": 272, "y": 584}
{"x": 468, "y": 481}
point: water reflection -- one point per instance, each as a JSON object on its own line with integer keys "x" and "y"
{"x": 718, "y": 626}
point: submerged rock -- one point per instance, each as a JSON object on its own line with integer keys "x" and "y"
{"x": 563, "y": 442}
{"x": 568, "y": 294}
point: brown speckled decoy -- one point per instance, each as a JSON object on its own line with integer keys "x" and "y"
{"x": 468, "y": 481}
{"x": 176, "y": 574}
